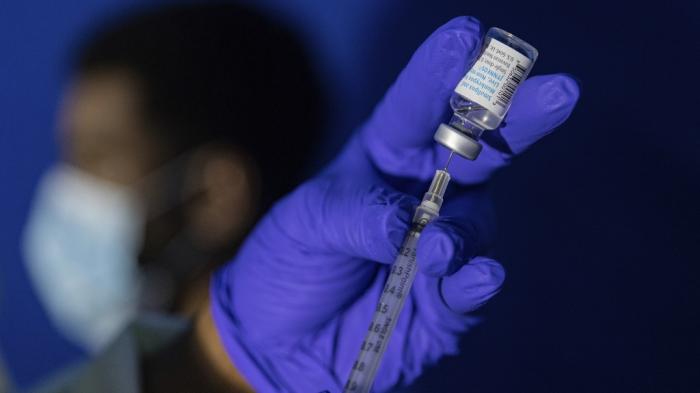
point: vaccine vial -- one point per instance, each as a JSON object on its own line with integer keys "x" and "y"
{"x": 483, "y": 96}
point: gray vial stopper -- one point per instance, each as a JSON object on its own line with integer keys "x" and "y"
{"x": 458, "y": 142}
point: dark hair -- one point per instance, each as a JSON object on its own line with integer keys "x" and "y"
{"x": 218, "y": 73}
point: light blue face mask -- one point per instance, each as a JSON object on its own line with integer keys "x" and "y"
{"x": 80, "y": 248}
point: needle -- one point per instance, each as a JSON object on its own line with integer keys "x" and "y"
{"x": 447, "y": 164}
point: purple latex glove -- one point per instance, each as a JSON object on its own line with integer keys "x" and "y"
{"x": 294, "y": 305}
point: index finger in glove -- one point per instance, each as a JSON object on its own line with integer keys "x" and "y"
{"x": 333, "y": 215}
{"x": 404, "y": 121}
{"x": 464, "y": 229}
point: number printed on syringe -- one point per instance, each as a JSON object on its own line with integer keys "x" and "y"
{"x": 386, "y": 313}
{"x": 396, "y": 289}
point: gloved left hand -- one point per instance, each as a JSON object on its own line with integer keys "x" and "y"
{"x": 294, "y": 305}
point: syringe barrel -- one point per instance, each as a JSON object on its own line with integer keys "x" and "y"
{"x": 396, "y": 290}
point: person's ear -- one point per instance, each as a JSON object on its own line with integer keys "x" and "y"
{"x": 226, "y": 184}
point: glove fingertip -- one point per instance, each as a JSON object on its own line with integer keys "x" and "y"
{"x": 453, "y": 48}
{"x": 561, "y": 91}
{"x": 463, "y": 24}
{"x": 473, "y": 285}
{"x": 541, "y": 104}
{"x": 436, "y": 251}
{"x": 392, "y": 226}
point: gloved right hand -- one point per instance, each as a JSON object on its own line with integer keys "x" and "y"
{"x": 293, "y": 307}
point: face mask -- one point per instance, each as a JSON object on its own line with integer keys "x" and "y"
{"x": 80, "y": 247}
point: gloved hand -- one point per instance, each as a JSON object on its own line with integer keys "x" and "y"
{"x": 294, "y": 305}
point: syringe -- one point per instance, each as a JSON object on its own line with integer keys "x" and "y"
{"x": 473, "y": 114}
{"x": 396, "y": 289}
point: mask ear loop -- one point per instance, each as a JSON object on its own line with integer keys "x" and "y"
{"x": 178, "y": 258}
{"x": 174, "y": 194}
{"x": 175, "y": 261}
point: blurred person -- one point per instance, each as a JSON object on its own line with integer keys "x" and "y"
{"x": 172, "y": 129}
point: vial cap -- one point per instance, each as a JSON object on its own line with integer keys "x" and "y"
{"x": 457, "y": 141}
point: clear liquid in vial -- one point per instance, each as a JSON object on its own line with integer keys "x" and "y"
{"x": 472, "y": 118}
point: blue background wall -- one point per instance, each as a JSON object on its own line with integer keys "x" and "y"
{"x": 598, "y": 223}
{"x": 34, "y": 38}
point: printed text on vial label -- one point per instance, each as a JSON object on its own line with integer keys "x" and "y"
{"x": 494, "y": 77}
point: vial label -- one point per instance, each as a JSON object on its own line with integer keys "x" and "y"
{"x": 492, "y": 81}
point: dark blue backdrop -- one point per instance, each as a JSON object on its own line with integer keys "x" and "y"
{"x": 598, "y": 223}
